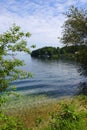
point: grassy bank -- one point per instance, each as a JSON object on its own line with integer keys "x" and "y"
{"x": 42, "y": 113}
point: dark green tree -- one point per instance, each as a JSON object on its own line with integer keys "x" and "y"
{"x": 75, "y": 27}
{"x": 12, "y": 42}
{"x": 46, "y": 52}
{"x": 82, "y": 59}
{"x": 75, "y": 33}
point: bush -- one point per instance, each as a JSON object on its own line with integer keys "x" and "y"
{"x": 10, "y": 123}
{"x": 68, "y": 119}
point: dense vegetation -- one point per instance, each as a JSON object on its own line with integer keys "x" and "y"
{"x": 66, "y": 52}
{"x": 42, "y": 113}
{"x": 46, "y": 52}
{"x": 11, "y": 42}
{"x": 75, "y": 27}
{"x": 75, "y": 33}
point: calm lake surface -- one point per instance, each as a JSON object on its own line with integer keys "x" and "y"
{"x": 52, "y": 78}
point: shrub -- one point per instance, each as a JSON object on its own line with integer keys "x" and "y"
{"x": 68, "y": 119}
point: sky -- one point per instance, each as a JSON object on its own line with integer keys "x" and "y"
{"x": 42, "y": 18}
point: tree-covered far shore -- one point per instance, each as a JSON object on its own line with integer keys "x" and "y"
{"x": 66, "y": 52}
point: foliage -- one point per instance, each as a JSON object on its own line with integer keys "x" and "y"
{"x": 75, "y": 33}
{"x": 12, "y": 42}
{"x": 69, "y": 49}
{"x": 70, "y": 118}
{"x": 75, "y": 27}
{"x": 46, "y": 52}
{"x": 82, "y": 59}
{"x": 38, "y": 121}
{"x": 39, "y": 113}
{"x": 10, "y": 123}
{"x": 82, "y": 88}
{"x": 66, "y": 52}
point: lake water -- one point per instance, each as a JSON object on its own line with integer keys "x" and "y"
{"x": 52, "y": 78}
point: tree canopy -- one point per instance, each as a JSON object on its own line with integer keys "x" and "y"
{"x": 46, "y": 52}
{"x": 75, "y": 27}
{"x": 12, "y": 42}
{"x": 75, "y": 33}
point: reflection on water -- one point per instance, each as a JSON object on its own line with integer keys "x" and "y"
{"x": 52, "y": 78}
{"x": 82, "y": 88}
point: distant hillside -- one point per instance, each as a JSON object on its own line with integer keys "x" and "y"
{"x": 56, "y": 53}
{"x": 46, "y": 52}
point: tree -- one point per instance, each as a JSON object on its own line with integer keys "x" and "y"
{"x": 75, "y": 27}
{"x": 12, "y": 42}
{"x": 75, "y": 33}
{"x": 82, "y": 59}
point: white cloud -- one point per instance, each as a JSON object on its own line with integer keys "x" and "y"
{"x": 83, "y": 1}
{"x": 41, "y": 18}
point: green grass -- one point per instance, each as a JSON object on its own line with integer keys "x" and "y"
{"x": 43, "y": 113}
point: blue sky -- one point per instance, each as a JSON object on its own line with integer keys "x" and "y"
{"x": 42, "y": 18}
